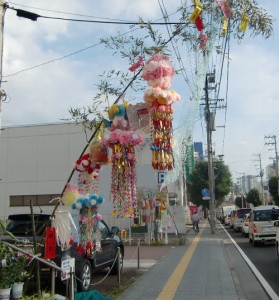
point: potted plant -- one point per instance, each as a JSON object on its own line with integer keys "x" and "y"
{"x": 18, "y": 275}
{"x": 6, "y": 279}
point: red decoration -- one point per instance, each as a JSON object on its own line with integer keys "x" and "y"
{"x": 50, "y": 243}
{"x": 199, "y": 23}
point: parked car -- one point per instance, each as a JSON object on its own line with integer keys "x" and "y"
{"x": 238, "y": 218}
{"x": 245, "y": 225}
{"x": 20, "y": 225}
{"x": 227, "y": 219}
{"x": 232, "y": 218}
{"x": 261, "y": 225}
{"x": 226, "y": 210}
{"x": 276, "y": 224}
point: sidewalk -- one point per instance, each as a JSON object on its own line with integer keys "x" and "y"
{"x": 207, "y": 267}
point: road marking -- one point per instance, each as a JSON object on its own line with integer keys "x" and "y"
{"x": 169, "y": 290}
{"x": 256, "y": 272}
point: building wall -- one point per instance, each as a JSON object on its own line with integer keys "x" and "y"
{"x": 38, "y": 160}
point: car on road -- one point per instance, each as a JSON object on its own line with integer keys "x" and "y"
{"x": 20, "y": 225}
{"x": 238, "y": 218}
{"x": 225, "y": 211}
{"x": 245, "y": 225}
{"x": 261, "y": 225}
{"x": 233, "y": 212}
{"x": 276, "y": 224}
{"x": 227, "y": 219}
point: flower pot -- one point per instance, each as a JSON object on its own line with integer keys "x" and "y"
{"x": 5, "y": 293}
{"x": 17, "y": 289}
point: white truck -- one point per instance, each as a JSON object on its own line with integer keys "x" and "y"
{"x": 226, "y": 209}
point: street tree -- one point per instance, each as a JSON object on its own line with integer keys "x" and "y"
{"x": 199, "y": 181}
{"x": 253, "y": 197}
{"x": 273, "y": 188}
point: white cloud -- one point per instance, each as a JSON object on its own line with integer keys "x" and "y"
{"x": 44, "y": 94}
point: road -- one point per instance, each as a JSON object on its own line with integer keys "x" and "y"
{"x": 263, "y": 257}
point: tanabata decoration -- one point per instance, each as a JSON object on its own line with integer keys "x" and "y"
{"x": 89, "y": 233}
{"x": 88, "y": 178}
{"x": 122, "y": 141}
{"x": 244, "y": 20}
{"x": 158, "y": 72}
{"x": 70, "y": 194}
{"x": 203, "y": 41}
{"x": 62, "y": 224}
{"x": 195, "y": 17}
{"x": 226, "y": 12}
{"x": 87, "y": 203}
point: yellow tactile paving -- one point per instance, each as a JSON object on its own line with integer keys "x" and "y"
{"x": 172, "y": 284}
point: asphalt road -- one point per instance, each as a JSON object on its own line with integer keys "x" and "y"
{"x": 263, "y": 257}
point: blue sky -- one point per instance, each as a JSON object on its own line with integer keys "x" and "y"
{"x": 44, "y": 94}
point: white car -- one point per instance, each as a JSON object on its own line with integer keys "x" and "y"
{"x": 238, "y": 218}
{"x": 276, "y": 223}
{"x": 261, "y": 225}
{"x": 245, "y": 225}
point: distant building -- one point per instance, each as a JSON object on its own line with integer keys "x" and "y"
{"x": 270, "y": 171}
{"x": 198, "y": 148}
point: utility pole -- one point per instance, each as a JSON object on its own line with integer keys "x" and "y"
{"x": 184, "y": 178}
{"x": 261, "y": 175}
{"x": 276, "y": 156}
{"x": 209, "y": 126}
{"x": 241, "y": 185}
{"x": 274, "y": 143}
{"x": 3, "y": 7}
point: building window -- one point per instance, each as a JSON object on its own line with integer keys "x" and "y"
{"x": 37, "y": 200}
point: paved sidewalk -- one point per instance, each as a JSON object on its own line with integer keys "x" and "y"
{"x": 205, "y": 268}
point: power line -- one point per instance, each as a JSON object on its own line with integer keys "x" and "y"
{"x": 33, "y": 16}
{"x": 72, "y": 53}
{"x": 65, "y": 13}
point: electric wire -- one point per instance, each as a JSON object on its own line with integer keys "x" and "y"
{"x": 66, "y": 13}
{"x": 94, "y": 21}
{"x": 71, "y": 54}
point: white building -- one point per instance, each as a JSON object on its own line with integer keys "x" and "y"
{"x": 37, "y": 160}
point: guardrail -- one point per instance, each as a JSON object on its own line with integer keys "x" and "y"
{"x": 51, "y": 265}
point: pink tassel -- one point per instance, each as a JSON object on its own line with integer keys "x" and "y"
{"x": 136, "y": 65}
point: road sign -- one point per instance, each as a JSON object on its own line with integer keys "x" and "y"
{"x": 205, "y": 193}
{"x": 161, "y": 177}
{"x": 67, "y": 265}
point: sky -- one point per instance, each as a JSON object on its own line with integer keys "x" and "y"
{"x": 49, "y": 66}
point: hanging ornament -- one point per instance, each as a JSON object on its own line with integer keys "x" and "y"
{"x": 203, "y": 40}
{"x": 122, "y": 141}
{"x": 89, "y": 237}
{"x": 199, "y": 23}
{"x": 98, "y": 153}
{"x": 197, "y": 11}
{"x": 244, "y": 20}
{"x": 89, "y": 166}
{"x": 70, "y": 194}
{"x": 224, "y": 27}
{"x": 158, "y": 72}
{"x": 136, "y": 65}
{"x": 226, "y": 9}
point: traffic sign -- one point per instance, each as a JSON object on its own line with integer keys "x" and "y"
{"x": 205, "y": 193}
